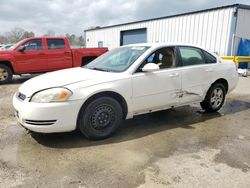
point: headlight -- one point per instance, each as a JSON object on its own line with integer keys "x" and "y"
{"x": 51, "y": 95}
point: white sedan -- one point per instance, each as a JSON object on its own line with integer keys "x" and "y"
{"x": 121, "y": 84}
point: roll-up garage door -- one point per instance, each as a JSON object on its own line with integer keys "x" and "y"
{"x": 133, "y": 36}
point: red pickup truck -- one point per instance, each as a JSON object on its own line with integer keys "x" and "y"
{"x": 43, "y": 54}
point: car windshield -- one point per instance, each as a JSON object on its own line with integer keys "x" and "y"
{"x": 117, "y": 60}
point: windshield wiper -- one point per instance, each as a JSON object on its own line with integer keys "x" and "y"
{"x": 96, "y": 68}
{"x": 99, "y": 69}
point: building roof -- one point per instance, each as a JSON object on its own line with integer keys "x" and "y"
{"x": 243, "y": 6}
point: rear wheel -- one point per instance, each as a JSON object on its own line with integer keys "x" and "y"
{"x": 215, "y": 98}
{"x": 100, "y": 118}
{"x": 5, "y": 74}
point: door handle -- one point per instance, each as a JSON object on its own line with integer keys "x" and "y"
{"x": 41, "y": 53}
{"x": 174, "y": 75}
{"x": 209, "y": 70}
{"x": 67, "y": 52}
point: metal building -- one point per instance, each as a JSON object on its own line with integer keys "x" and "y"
{"x": 217, "y": 29}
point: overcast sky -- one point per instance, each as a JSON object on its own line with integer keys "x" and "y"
{"x": 73, "y": 16}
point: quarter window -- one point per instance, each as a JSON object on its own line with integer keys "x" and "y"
{"x": 35, "y": 44}
{"x": 209, "y": 58}
{"x": 191, "y": 56}
{"x": 55, "y": 44}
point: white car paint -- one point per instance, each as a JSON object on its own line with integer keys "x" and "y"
{"x": 143, "y": 91}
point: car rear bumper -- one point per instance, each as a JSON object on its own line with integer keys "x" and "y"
{"x": 47, "y": 117}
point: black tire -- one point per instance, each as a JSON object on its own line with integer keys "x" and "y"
{"x": 100, "y": 118}
{"x": 6, "y": 74}
{"x": 215, "y": 98}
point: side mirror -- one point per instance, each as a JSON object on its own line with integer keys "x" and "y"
{"x": 21, "y": 48}
{"x": 150, "y": 67}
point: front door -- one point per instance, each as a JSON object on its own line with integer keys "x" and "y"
{"x": 32, "y": 58}
{"x": 159, "y": 89}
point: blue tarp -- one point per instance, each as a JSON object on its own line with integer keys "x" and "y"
{"x": 244, "y": 50}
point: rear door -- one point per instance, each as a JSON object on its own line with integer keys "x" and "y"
{"x": 58, "y": 55}
{"x": 32, "y": 58}
{"x": 159, "y": 89}
{"x": 196, "y": 74}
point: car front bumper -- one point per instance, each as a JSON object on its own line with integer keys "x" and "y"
{"x": 47, "y": 117}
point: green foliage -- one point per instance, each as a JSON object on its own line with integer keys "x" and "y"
{"x": 15, "y": 36}
{"x": 75, "y": 41}
{"x": 18, "y": 34}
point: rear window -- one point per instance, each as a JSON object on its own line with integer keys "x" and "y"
{"x": 55, "y": 44}
{"x": 191, "y": 56}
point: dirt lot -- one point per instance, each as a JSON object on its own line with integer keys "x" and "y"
{"x": 183, "y": 147}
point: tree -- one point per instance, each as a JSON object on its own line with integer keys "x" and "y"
{"x": 81, "y": 41}
{"x": 73, "y": 39}
{"x": 15, "y": 35}
{"x": 28, "y": 34}
{"x": 3, "y": 40}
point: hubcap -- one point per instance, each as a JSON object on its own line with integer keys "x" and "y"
{"x": 3, "y": 74}
{"x": 216, "y": 98}
{"x": 102, "y": 117}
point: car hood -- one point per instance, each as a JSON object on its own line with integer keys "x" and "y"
{"x": 5, "y": 52}
{"x": 60, "y": 78}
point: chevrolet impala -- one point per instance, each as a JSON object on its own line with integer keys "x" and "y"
{"x": 121, "y": 84}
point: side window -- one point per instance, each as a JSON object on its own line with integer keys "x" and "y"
{"x": 209, "y": 58}
{"x": 35, "y": 44}
{"x": 56, "y": 44}
{"x": 164, "y": 57}
{"x": 191, "y": 56}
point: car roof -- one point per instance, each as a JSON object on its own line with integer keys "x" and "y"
{"x": 163, "y": 44}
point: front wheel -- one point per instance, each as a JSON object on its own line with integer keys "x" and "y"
{"x": 100, "y": 118}
{"x": 5, "y": 74}
{"x": 215, "y": 98}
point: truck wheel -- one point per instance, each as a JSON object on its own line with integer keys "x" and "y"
{"x": 215, "y": 98}
{"x": 100, "y": 118}
{"x": 5, "y": 74}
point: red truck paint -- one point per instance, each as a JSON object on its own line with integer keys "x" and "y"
{"x": 45, "y": 59}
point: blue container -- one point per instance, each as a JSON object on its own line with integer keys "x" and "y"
{"x": 244, "y": 50}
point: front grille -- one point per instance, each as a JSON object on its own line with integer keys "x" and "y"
{"x": 40, "y": 122}
{"x": 21, "y": 96}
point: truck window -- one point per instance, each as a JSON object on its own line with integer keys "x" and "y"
{"x": 35, "y": 44}
{"x": 56, "y": 44}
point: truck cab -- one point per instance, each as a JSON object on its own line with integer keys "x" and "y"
{"x": 43, "y": 54}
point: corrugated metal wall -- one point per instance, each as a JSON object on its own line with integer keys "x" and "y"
{"x": 210, "y": 29}
{"x": 242, "y": 28}
{"x": 243, "y": 24}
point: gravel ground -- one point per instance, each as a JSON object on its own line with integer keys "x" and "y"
{"x": 182, "y": 147}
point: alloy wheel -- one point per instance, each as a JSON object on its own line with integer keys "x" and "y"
{"x": 216, "y": 98}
